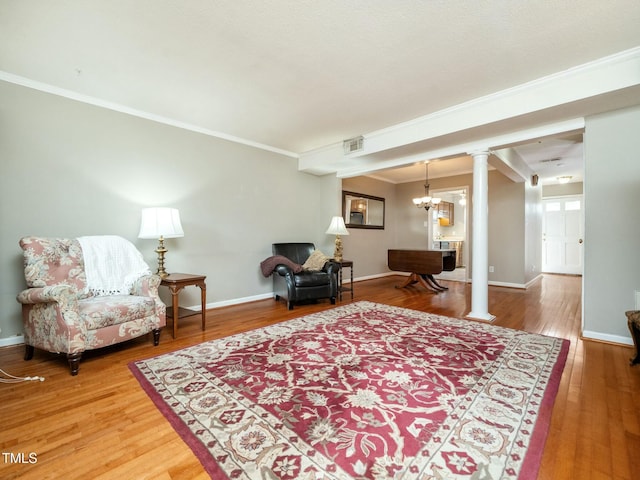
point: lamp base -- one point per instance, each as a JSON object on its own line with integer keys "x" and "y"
{"x": 337, "y": 253}
{"x": 161, "y": 250}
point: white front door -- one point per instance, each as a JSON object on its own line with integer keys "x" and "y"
{"x": 562, "y": 234}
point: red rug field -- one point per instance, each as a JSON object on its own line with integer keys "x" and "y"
{"x": 363, "y": 391}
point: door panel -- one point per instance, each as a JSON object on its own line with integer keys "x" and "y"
{"x": 563, "y": 229}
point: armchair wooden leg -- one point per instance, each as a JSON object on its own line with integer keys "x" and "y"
{"x": 28, "y": 352}
{"x": 156, "y": 337}
{"x": 633, "y": 322}
{"x": 333, "y": 300}
{"x": 74, "y": 362}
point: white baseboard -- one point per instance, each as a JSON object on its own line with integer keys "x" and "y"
{"x": 522, "y": 286}
{"x": 605, "y": 337}
{"x": 370, "y": 277}
{"x": 534, "y": 280}
{"x": 233, "y": 301}
{"x": 263, "y": 296}
{"x": 19, "y": 339}
{"x": 509, "y": 285}
{"x": 15, "y": 340}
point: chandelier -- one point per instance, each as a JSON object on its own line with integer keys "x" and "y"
{"x": 427, "y": 201}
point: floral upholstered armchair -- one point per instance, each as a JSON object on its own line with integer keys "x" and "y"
{"x": 63, "y": 313}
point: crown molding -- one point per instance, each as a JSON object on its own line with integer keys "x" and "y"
{"x": 491, "y": 143}
{"x": 416, "y": 137}
{"x": 98, "y": 102}
{"x": 601, "y": 76}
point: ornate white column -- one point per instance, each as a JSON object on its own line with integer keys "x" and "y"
{"x": 480, "y": 237}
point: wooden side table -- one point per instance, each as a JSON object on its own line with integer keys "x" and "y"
{"x": 349, "y": 265}
{"x": 176, "y": 282}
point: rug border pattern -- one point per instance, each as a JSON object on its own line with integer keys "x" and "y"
{"x": 524, "y": 463}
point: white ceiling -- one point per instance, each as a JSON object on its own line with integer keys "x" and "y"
{"x": 549, "y": 158}
{"x": 296, "y": 75}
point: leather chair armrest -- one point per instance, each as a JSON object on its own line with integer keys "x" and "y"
{"x": 55, "y": 293}
{"x": 331, "y": 267}
{"x": 283, "y": 270}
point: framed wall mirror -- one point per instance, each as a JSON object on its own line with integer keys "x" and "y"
{"x": 362, "y": 211}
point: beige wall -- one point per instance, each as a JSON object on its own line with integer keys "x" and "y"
{"x": 560, "y": 190}
{"x": 513, "y": 219}
{"x": 532, "y": 232}
{"x": 368, "y": 247}
{"x": 69, "y": 169}
{"x": 413, "y": 233}
{"x": 612, "y": 222}
{"x": 506, "y": 229}
{"x": 515, "y": 225}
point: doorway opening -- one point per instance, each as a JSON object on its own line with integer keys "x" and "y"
{"x": 562, "y": 234}
{"x": 449, "y": 229}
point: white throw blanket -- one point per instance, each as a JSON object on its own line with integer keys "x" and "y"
{"x": 112, "y": 264}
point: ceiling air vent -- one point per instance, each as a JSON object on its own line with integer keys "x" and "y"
{"x": 550, "y": 160}
{"x": 353, "y": 145}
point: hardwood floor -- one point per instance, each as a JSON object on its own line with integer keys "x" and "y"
{"x": 100, "y": 424}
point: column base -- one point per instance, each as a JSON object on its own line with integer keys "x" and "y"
{"x": 485, "y": 317}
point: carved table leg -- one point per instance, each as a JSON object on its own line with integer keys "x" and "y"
{"x": 432, "y": 281}
{"x": 633, "y": 322}
{"x": 175, "y": 292}
{"x": 411, "y": 279}
{"x": 203, "y": 301}
{"x": 422, "y": 280}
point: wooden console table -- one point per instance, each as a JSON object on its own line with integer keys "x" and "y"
{"x": 176, "y": 282}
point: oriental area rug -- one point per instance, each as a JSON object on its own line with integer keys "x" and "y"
{"x": 363, "y": 391}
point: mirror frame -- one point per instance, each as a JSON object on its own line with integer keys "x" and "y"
{"x": 368, "y": 197}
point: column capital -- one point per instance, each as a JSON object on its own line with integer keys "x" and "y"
{"x": 479, "y": 152}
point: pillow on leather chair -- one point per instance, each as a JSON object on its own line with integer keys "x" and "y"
{"x": 315, "y": 262}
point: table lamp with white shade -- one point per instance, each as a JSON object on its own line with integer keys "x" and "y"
{"x": 337, "y": 228}
{"x": 160, "y": 223}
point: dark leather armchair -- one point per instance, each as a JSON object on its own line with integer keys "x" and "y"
{"x": 305, "y": 285}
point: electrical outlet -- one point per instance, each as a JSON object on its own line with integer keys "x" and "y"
{"x": 491, "y": 269}
{"x": 637, "y": 300}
